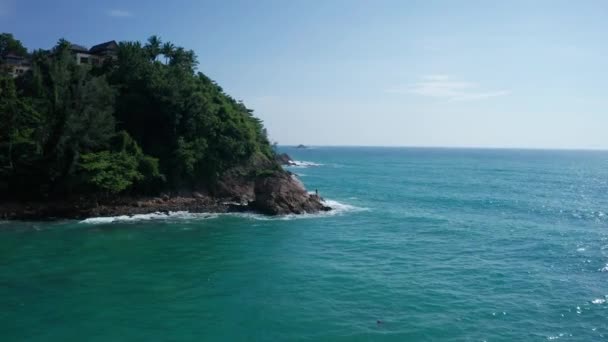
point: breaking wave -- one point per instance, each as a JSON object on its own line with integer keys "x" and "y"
{"x": 303, "y": 164}
{"x": 178, "y": 215}
{"x": 338, "y": 208}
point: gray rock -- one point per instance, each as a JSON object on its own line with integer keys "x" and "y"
{"x": 281, "y": 193}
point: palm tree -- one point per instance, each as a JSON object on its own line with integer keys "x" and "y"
{"x": 177, "y": 56}
{"x": 190, "y": 59}
{"x": 153, "y": 47}
{"x": 167, "y": 51}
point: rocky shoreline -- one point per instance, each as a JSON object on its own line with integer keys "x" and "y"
{"x": 276, "y": 193}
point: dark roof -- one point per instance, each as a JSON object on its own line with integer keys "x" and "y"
{"x": 13, "y": 59}
{"x": 104, "y": 46}
{"x": 13, "y": 56}
{"x": 78, "y": 48}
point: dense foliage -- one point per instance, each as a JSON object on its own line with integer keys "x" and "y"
{"x": 143, "y": 122}
{"x": 10, "y": 45}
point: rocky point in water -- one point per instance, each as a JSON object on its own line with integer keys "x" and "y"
{"x": 282, "y": 193}
{"x": 260, "y": 185}
{"x": 272, "y": 191}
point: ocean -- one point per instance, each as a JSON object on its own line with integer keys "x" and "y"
{"x": 425, "y": 245}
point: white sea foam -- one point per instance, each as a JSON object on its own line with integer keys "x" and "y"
{"x": 303, "y": 164}
{"x": 604, "y": 269}
{"x": 580, "y": 249}
{"x": 178, "y": 215}
{"x": 598, "y": 301}
{"x": 338, "y": 208}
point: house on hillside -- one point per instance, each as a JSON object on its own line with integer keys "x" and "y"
{"x": 107, "y": 49}
{"x": 95, "y": 55}
{"x": 81, "y": 54}
{"x": 15, "y": 65}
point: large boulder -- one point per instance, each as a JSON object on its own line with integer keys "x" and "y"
{"x": 280, "y": 193}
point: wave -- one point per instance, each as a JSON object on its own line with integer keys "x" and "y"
{"x": 179, "y": 215}
{"x": 303, "y": 164}
{"x": 598, "y": 301}
{"x": 555, "y": 337}
{"x": 338, "y": 208}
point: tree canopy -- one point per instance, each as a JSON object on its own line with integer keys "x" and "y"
{"x": 10, "y": 45}
{"x": 143, "y": 122}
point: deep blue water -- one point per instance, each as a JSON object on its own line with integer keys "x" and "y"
{"x": 428, "y": 245}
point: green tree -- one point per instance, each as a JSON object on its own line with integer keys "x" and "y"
{"x": 8, "y": 44}
{"x": 167, "y": 51}
{"x": 19, "y": 122}
{"x": 153, "y": 47}
{"x": 110, "y": 172}
{"x": 119, "y": 168}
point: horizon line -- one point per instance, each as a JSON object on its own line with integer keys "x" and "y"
{"x": 587, "y": 149}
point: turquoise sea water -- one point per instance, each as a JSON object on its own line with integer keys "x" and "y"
{"x": 428, "y": 245}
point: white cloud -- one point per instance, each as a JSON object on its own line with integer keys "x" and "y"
{"x": 442, "y": 86}
{"x": 118, "y": 13}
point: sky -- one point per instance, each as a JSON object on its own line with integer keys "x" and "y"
{"x": 513, "y": 74}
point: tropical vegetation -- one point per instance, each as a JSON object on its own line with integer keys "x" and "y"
{"x": 144, "y": 122}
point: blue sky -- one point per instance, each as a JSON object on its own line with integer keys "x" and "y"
{"x": 415, "y": 73}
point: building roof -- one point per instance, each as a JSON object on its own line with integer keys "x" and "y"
{"x": 13, "y": 56}
{"x": 13, "y": 59}
{"x": 104, "y": 46}
{"x": 78, "y": 48}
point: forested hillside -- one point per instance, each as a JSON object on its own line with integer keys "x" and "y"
{"x": 141, "y": 123}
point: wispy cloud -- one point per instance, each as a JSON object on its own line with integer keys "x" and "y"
{"x": 118, "y": 13}
{"x": 443, "y": 86}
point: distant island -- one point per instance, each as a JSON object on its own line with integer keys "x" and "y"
{"x": 301, "y": 146}
{"x": 126, "y": 128}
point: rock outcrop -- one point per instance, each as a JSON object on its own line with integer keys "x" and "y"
{"x": 263, "y": 186}
{"x": 260, "y": 185}
{"x": 282, "y": 193}
{"x": 284, "y": 159}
